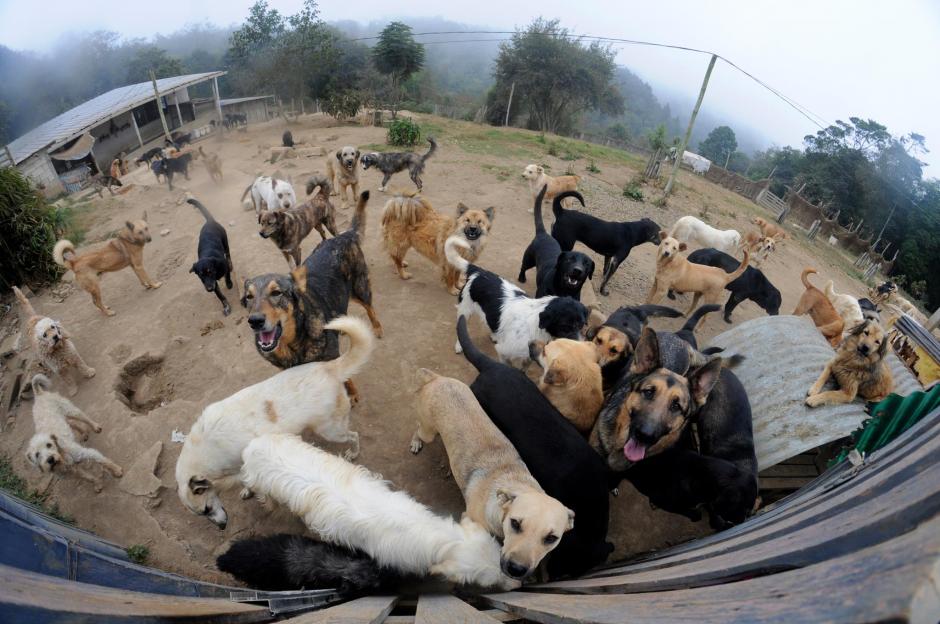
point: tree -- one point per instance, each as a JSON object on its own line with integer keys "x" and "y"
{"x": 718, "y": 145}
{"x": 398, "y": 56}
{"x": 151, "y": 57}
{"x": 251, "y": 58}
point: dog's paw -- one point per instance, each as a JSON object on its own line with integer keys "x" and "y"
{"x": 605, "y": 292}
{"x": 812, "y": 401}
{"x": 73, "y": 391}
{"x": 118, "y": 472}
{"x": 226, "y": 309}
{"x": 245, "y": 494}
{"x": 458, "y": 348}
{"x": 405, "y": 275}
{"x": 416, "y": 445}
{"x": 378, "y": 331}
{"x": 454, "y": 291}
{"x": 728, "y": 320}
{"x": 404, "y": 263}
{"x": 90, "y": 373}
{"x": 98, "y": 487}
{"x": 154, "y": 285}
{"x": 97, "y": 428}
{"x": 350, "y": 455}
{"x": 109, "y": 312}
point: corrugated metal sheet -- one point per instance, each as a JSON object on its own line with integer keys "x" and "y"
{"x": 231, "y": 101}
{"x": 95, "y": 111}
{"x": 785, "y": 355}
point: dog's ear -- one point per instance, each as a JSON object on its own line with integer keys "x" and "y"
{"x": 683, "y": 246}
{"x": 461, "y": 208}
{"x": 536, "y": 349}
{"x": 192, "y": 269}
{"x": 703, "y": 379}
{"x": 540, "y": 169}
{"x": 198, "y": 485}
{"x": 357, "y": 154}
{"x": 555, "y": 377}
{"x": 339, "y": 155}
{"x": 570, "y": 519}
{"x": 299, "y": 277}
{"x": 663, "y": 234}
{"x": 883, "y": 349}
{"x": 591, "y": 332}
{"x": 490, "y": 212}
{"x": 244, "y": 297}
{"x": 130, "y": 226}
{"x": 590, "y": 269}
{"x": 504, "y": 498}
{"x": 55, "y": 439}
{"x": 273, "y": 184}
{"x": 646, "y": 357}
{"x": 858, "y": 329}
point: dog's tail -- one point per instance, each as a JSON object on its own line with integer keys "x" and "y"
{"x": 245, "y": 194}
{"x": 205, "y": 211}
{"x": 430, "y": 151}
{"x": 63, "y": 253}
{"x": 27, "y": 306}
{"x": 480, "y": 360}
{"x": 361, "y": 345}
{"x": 537, "y": 211}
{"x": 648, "y": 310}
{"x": 321, "y": 181}
{"x": 406, "y": 207}
{"x": 829, "y": 289}
{"x": 805, "y": 279}
{"x": 698, "y": 314}
{"x": 40, "y": 383}
{"x": 358, "y": 224}
{"x": 558, "y": 209}
{"x": 423, "y": 377}
{"x": 453, "y": 254}
{"x": 740, "y": 270}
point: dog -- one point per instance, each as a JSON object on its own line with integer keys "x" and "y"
{"x": 52, "y": 345}
{"x": 554, "y": 186}
{"x": 770, "y": 229}
{"x": 752, "y": 284}
{"x": 54, "y": 442}
{"x": 287, "y": 139}
{"x": 213, "y": 163}
{"x": 675, "y": 272}
{"x": 149, "y": 155}
{"x": 345, "y": 174}
{"x": 308, "y": 396}
{"x": 215, "y": 260}
{"x": 347, "y": 505}
{"x": 847, "y": 306}
{"x": 889, "y": 293}
{"x": 173, "y": 166}
{"x": 814, "y": 302}
{"x": 390, "y": 163}
{"x": 500, "y": 493}
{"x": 287, "y": 313}
{"x": 694, "y": 231}
{"x": 411, "y": 221}
{"x": 285, "y": 562}
{"x": 870, "y": 310}
{"x": 514, "y": 319}
{"x": 288, "y": 228}
{"x": 179, "y": 139}
{"x": 760, "y": 247}
{"x": 127, "y": 249}
{"x": 102, "y": 181}
{"x": 557, "y": 272}
{"x": 571, "y": 379}
{"x": 270, "y": 194}
{"x": 613, "y": 240}
{"x": 858, "y": 368}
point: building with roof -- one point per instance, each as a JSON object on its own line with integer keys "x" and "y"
{"x": 85, "y": 139}
{"x": 255, "y": 108}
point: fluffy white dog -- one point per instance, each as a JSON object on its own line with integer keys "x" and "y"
{"x": 693, "y": 231}
{"x": 54, "y": 442}
{"x": 349, "y": 506}
{"x": 308, "y": 396}
{"x": 846, "y": 305}
{"x": 268, "y": 193}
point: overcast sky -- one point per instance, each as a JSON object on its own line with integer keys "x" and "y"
{"x": 866, "y": 58}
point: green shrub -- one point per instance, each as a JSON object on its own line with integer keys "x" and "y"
{"x": 592, "y": 167}
{"x": 16, "y": 485}
{"x": 570, "y": 156}
{"x": 342, "y": 106}
{"x": 633, "y": 191}
{"x": 29, "y": 227}
{"x": 138, "y": 553}
{"x": 403, "y": 132}
{"x": 553, "y": 149}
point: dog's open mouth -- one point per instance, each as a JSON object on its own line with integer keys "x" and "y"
{"x": 634, "y": 450}
{"x": 472, "y": 233}
{"x": 267, "y": 339}
{"x": 572, "y": 281}
{"x": 349, "y": 165}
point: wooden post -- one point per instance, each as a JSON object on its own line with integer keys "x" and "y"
{"x": 215, "y": 97}
{"x": 933, "y": 321}
{"x": 688, "y": 131}
{"x": 156, "y": 96}
{"x": 727, "y": 160}
{"x": 512, "y": 90}
{"x": 176, "y": 103}
{"x": 888, "y": 220}
{"x": 136, "y": 130}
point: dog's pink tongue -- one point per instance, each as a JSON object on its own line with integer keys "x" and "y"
{"x": 267, "y": 336}
{"x": 634, "y": 451}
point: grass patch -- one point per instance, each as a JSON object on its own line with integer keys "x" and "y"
{"x": 633, "y": 190}
{"x": 16, "y": 485}
{"x": 138, "y": 553}
{"x": 502, "y": 173}
{"x": 592, "y": 167}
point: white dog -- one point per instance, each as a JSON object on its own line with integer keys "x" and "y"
{"x": 693, "y": 231}
{"x": 846, "y": 305}
{"x": 308, "y": 396}
{"x": 349, "y": 506}
{"x": 270, "y": 194}
{"x": 54, "y": 442}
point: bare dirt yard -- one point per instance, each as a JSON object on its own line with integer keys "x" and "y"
{"x": 176, "y": 351}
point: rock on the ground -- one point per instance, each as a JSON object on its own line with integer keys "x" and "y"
{"x": 140, "y": 479}
{"x": 165, "y": 232}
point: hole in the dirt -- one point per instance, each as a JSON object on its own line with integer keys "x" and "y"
{"x": 143, "y": 384}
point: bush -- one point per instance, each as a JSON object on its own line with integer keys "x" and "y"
{"x": 403, "y": 132}
{"x": 29, "y": 227}
{"x": 592, "y": 167}
{"x": 633, "y": 191}
{"x": 138, "y": 553}
{"x": 342, "y": 106}
{"x": 553, "y": 149}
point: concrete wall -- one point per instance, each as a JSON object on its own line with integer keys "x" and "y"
{"x": 123, "y": 141}
{"x": 38, "y": 168}
{"x": 255, "y": 110}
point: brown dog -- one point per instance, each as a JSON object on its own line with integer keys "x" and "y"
{"x": 125, "y": 250}
{"x": 213, "y": 164}
{"x": 858, "y": 367}
{"x": 571, "y": 379}
{"x": 537, "y": 178}
{"x": 288, "y": 228}
{"x": 345, "y": 174}
{"x": 675, "y": 272}
{"x": 820, "y": 309}
{"x": 770, "y": 229}
{"x": 411, "y": 221}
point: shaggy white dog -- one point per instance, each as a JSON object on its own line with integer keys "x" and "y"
{"x": 846, "y": 305}
{"x": 308, "y": 396}
{"x": 693, "y": 231}
{"x": 349, "y": 506}
{"x": 269, "y": 193}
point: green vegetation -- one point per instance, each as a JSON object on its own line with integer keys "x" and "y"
{"x": 29, "y": 227}
{"x": 633, "y": 190}
{"x": 342, "y": 106}
{"x": 592, "y": 167}
{"x": 397, "y": 56}
{"x": 16, "y": 485}
{"x": 138, "y": 553}
{"x": 403, "y": 132}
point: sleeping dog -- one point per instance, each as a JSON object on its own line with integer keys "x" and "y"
{"x": 514, "y": 319}
{"x": 557, "y": 272}
{"x": 390, "y": 163}
{"x": 215, "y": 261}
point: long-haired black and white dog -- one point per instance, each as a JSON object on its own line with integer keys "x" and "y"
{"x": 390, "y": 163}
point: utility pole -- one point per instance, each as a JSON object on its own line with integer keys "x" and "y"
{"x": 728, "y": 159}
{"x": 891, "y": 214}
{"x": 688, "y": 131}
{"x": 156, "y": 96}
{"x": 509, "y": 105}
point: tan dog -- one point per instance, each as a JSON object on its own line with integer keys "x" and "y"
{"x": 410, "y": 221}
{"x": 127, "y": 250}
{"x": 213, "y": 163}
{"x": 760, "y": 246}
{"x": 537, "y": 178}
{"x": 888, "y": 294}
{"x": 610, "y": 344}
{"x": 770, "y": 229}
{"x": 571, "y": 379}
{"x": 675, "y": 272}
{"x": 858, "y": 367}
{"x": 345, "y": 172}
{"x": 498, "y": 489}
{"x": 824, "y": 315}
{"x": 52, "y": 345}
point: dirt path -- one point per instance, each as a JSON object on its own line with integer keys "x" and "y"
{"x": 207, "y": 356}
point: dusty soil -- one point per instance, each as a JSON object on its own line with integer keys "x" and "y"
{"x": 170, "y": 352}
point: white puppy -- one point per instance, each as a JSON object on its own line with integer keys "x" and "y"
{"x": 515, "y": 320}
{"x": 308, "y": 396}
{"x": 693, "y": 231}
{"x": 270, "y": 194}
{"x": 54, "y": 442}
{"x": 349, "y": 506}
{"x": 846, "y": 305}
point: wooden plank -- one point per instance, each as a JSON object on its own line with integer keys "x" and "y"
{"x": 782, "y": 483}
{"x": 890, "y": 582}
{"x": 791, "y": 470}
{"x": 500, "y": 616}
{"x": 447, "y": 609}
{"x": 368, "y": 610}
{"x": 30, "y": 597}
{"x": 802, "y": 458}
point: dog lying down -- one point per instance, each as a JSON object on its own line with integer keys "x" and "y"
{"x": 347, "y": 505}
{"x": 858, "y": 368}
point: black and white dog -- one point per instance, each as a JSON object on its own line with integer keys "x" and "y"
{"x": 215, "y": 261}
{"x": 557, "y": 272}
{"x": 171, "y": 166}
{"x": 514, "y": 319}
{"x": 390, "y": 163}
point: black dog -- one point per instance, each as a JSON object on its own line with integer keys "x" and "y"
{"x": 149, "y": 155}
{"x": 171, "y": 166}
{"x": 613, "y": 240}
{"x": 287, "y": 139}
{"x": 179, "y": 139}
{"x": 557, "y": 272}
{"x": 752, "y": 284}
{"x": 554, "y": 452}
{"x": 215, "y": 261}
{"x": 390, "y": 163}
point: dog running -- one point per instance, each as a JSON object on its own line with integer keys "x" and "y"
{"x": 214, "y": 259}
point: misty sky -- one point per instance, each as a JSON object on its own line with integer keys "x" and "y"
{"x": 864, "y": 58}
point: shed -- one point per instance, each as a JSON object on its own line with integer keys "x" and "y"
{"x": 256, "y": 108}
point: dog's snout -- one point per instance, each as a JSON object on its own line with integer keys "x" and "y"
{"x": 51, "y": 461}
{"x": 863, "y": 349}
{"x": 256, "y": 321}
{"x": 516, "y": 570}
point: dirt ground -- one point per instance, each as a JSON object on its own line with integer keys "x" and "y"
{"x": 206, "y": 357}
